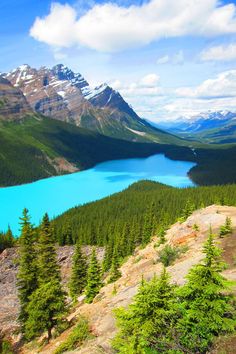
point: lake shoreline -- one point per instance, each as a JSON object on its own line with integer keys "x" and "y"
{"x": 167, "y": 155}
{"x": 57, "y": 194}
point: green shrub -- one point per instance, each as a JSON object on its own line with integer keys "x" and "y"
{"x": 76, "y": 338}
{"x": 196, "y": 227}
{"x": 169, "y": 254}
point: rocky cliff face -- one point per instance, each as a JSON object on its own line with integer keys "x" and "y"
{"x": 13, "y": 105}
{"x": 9, "y": 304}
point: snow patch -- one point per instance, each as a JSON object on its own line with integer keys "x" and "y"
{"x": 136, "y": 131}
{"x": 61, "y": 93}
{"x": 91, "y": 93}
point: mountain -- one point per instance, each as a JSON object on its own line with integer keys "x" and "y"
{"x": 198, "y": 123}
{"x": 13, "y": 104}
{"x": 61, "y": 94}
{"x": 210, "y": 127}
{"x": 225, "y": 134}
{"x": 33, "y": 146}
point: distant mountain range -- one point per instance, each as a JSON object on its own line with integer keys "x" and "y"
{"x": 61, "y": 94}
{"x": 210, "y": 127}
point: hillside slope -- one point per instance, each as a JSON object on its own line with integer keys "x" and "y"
{"x": 145, "y": 263}
{"x": 222, "y": 135}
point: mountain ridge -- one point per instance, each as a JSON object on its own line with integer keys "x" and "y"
{"x": 61, "y": 94}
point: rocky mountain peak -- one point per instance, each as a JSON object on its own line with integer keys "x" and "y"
{"x": 62, "y": 72}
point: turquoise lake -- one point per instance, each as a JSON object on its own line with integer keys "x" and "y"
{"x": 57, "y": 194}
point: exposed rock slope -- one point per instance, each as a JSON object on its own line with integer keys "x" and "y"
{"x": 145, "y": 263}
{"x": 9, "y": 305}
{"x": 13, "y": 105}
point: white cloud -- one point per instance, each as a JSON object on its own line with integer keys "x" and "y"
{"x": 58, "y": 28}
{"x": 163, "y": 60}
{"x": 158, "y": 103}
{"x": 224, "y": 53}
{"x": 112, "y": 28}
{"x": 224, "y": 85}
{"x": 185, "y": 107}
{"x": 150, "y": 80}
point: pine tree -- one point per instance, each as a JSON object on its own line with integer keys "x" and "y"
{"x": 132, "y": 239}
{"x": 9, "y": 238}
{"x": 114, "y": 273}
{"x": 78, "y": 274}
{"x": 94, "y": 282}
{"x": 161, "y": 235}
{"x": 46, "y": 309}
{"x": 226, "y": 229}
{"x": 206, "y": 308}
{"x": 123, "y": 241}
{"x": 67, "y": 234}
{"x": 47, "y": 303}
{"x": 27, "y": 274}
{"x": 149, "y": 321}
{"x": 106, "y": 264}
{"x": 149, "y": 224}
{"x": 48, "y": 269}
{"x": 187, "y": 211}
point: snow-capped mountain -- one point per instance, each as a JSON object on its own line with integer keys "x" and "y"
{"x": 199, "y": 123}
{"x": 61, "y": 94}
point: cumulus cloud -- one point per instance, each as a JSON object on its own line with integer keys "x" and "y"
{"x": 224, "y": 53}
{"x": 158, "y": 103}
{"x": 214, "y": 94}
{"x": 224, "y": 85}
{"x": 112, "y": 28}
{"x": 150, "y": 80}
{"x": 146, "y": 86}
{"x": 184, "y": 107}
{"x": 58, "y": 28}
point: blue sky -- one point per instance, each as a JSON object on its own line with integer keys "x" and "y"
{"x": 167, "y": 58}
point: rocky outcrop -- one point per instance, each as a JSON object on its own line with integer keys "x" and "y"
{"x": 13, "y": 105}
{"x": 9, "y": 304}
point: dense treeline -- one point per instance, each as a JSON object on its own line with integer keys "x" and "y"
{"x": 215, "y": 165}
{"x": 129, "y": 218}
